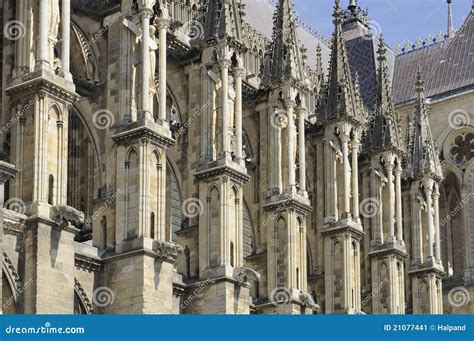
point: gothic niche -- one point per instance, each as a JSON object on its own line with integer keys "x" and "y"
{"x": 82, "y": 182}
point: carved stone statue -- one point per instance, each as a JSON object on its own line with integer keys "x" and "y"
{"x": 54, "y": 20}
{"x": 153, "y": 48}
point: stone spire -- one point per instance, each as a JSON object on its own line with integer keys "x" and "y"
{"x": 450, "y": 20}
{"x": 422, "y": 158}
{"x": 384, "y": 132}
{"x": 340, "y": 100}
{"x": 223, "y": 19}
{"x": 286, "y": 60}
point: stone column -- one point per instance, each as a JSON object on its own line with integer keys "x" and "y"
{"x": 398, "y": 203}
{"x": 163, "y": 25}
{"x": 436, "y": 223}
{"x": 355, "y": 179}
{"x": 225, "y": 64}
{"x": 42, "y": 58}
{"x": 347, "y": 174}
{"x": 290, "y": 106}
{"x": 429, "y": 204}
{"x": 391, "y": 202}
{"x": 146, "y": 14}
{"x": 302, "y": 151}
{"x": 7, "y": 171}
{"x": 238, "y": 72}
{"x": 66, "y": 40}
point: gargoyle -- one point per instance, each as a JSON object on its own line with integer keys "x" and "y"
{"x": 67, "y": 214}
{"x": 166, "y": 249}
{"x": 242, "y": 275}
{"x": 308, "y": 301}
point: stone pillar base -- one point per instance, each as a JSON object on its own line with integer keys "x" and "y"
{"x": 217, "y": 296}
{"x": 48, "y": 258}
{"x": 139, "y": 280}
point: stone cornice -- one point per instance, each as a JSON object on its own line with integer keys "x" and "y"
{"x": 43, "y": 81}
{"x": 389, "y": 250}
{"x": 426, "y": 269}
{"x": 291, "y": 202}
{"x": 218, "y": 168}
{"x": 7, "y": 171}
{"x": 150, "y": 131}
{"x": 90, "y": 264}
{"x": 342, "y": 227}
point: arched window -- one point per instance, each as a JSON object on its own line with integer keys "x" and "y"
{"x": 231, "y": 254}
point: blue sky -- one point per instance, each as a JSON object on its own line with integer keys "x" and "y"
{"x": 400, "y": 20}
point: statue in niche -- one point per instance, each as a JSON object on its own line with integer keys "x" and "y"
{"x": 215, "y": 84}
{"x": 231, "y": 100}
{"x": 153, "y": 47}
{"x": 54, "y": 20}
{"x": 134, "y": 53}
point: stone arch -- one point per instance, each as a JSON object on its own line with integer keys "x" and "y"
{"x": 214, "y": 222}
{"x": 383, "y": 286}
{"x": 10, "y": 283}
{"x": 174, "y": 199}
{"x": 82, "y": 303}
{"x": 248, "y": 232}
{"x": 423, "y": 296}
{"x": 451, "y": 217}
{"x": 337, "y": 274}
{"x": 84, "y": 65}
{"x": 85, "y": 176}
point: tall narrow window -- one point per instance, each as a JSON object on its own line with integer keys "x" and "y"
{"x": 231, "y": 254}
{"x": 50, "y": 189}
{"x": 152, "y": 225}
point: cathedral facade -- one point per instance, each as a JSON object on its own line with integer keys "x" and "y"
{"x": 219, "y": 157}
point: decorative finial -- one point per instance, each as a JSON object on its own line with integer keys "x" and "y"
{"x": 420, "y": 84}
{"x": 352, "y": 5}
{"x": 337, "y": 13}
{"x": 382, "y": 49}
{"x": 450, "y": 20}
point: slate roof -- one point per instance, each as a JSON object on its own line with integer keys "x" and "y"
{"x": 447, "y": 67}
{"x": 259, "y": 15}
{"x": 362, "y": 51}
